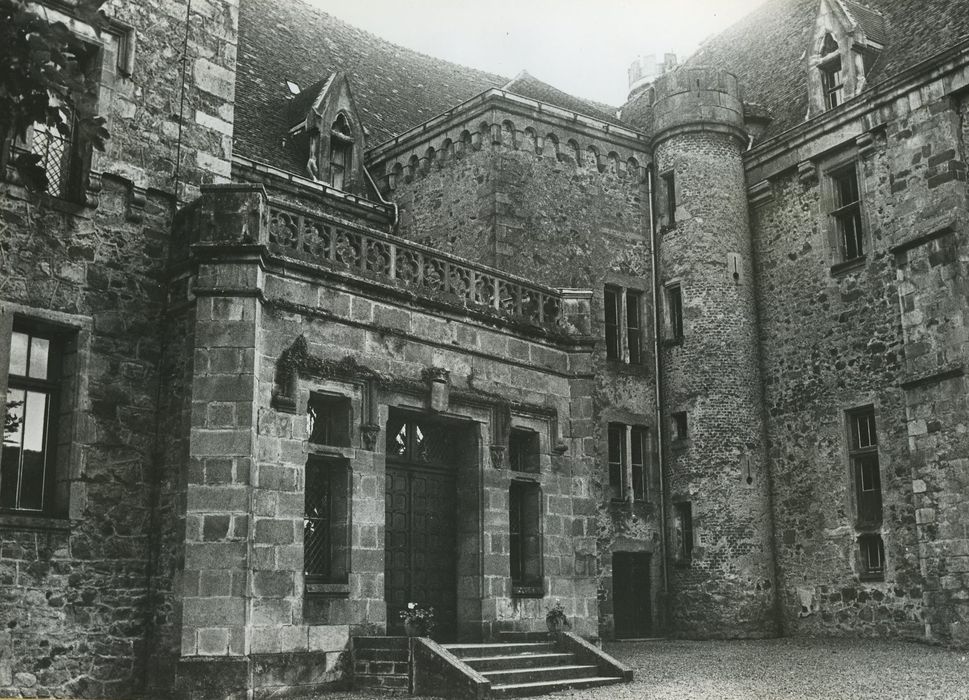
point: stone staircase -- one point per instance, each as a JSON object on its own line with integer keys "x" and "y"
{"x": 518, "y": 668}
{"x": 381, "y": 663}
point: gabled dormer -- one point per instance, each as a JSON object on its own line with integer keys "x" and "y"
{"x": 845, "y": 45}
{"x": 328, "y": 137}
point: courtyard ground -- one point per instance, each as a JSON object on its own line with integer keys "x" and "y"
{"x": 780, "y": 669}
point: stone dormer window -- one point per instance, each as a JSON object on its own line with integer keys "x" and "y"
{"x": 847, "y": 41}
{"x": 341, "y": 151}
{"x": 832, "y": 74}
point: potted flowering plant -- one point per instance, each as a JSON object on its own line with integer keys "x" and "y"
{"x": 555, "y": 618}
{"x": 418, "y": 620}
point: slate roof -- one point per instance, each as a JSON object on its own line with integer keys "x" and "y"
{"x": 767, "y": 50}
{"x": 394, "y": 88}
{"x": 527, "y": 85}
{"x": 871, "y": 22}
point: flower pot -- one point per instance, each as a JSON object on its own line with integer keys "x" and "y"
{"x": 556, "y": 624}
{"x": 414, "y": 628}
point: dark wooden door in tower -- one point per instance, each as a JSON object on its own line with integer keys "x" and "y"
{"x": 631, "y": 595}
{"x": 421, "y": 543}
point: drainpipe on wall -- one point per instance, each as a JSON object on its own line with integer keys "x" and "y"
{"x": 657, "y": 367}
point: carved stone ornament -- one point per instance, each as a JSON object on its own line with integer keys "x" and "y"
{"x": 370, "y": 433}
{"x": 498, "y": 456}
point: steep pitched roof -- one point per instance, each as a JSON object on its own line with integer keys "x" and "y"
{"x": 527, "y": 85}
{"x": 871, "y": 22}
{"x": 394, "y": 88}
{"x": 766, "y": 49}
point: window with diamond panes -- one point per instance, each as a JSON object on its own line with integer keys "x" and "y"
{"x": 326, "y": 523}
{"x": 27, "y": 459}
{"x": 525, "y": 542}
{"x": 422, "y": 441}
{"x": 329, "y": 419}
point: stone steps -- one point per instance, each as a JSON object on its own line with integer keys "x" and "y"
{"x": 381, "y": 663}
{"x": 520, "y": 668}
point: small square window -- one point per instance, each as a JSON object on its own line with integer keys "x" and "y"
{"x": 871, "y": 552}
{"x": 329, "y": 420}
{"x": 523, "y": 450}
{"x": 679, "y": 425}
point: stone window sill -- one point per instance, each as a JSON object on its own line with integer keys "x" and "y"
{"x": 331, "y": 590}
{"x": 11, "y": 521}
{"x": 519, "y": 591}
{"x": 843, "y": 268}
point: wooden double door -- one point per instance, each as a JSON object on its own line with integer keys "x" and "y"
{"x": 421, "y": 545}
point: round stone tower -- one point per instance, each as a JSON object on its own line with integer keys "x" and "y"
{"x": 719, "y": 503}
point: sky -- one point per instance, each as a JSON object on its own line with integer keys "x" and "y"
{"x": 581, "y": 46}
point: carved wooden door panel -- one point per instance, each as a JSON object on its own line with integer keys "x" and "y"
{"x": 421, "y": 544}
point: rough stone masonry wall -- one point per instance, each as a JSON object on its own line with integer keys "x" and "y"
{"x": 726, "y": 588}
{"x": 832, "y": 342}
{"x": 564, "y": 214}
{"x": 75, "y": 608}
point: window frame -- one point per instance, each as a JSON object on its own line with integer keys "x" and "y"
{"x": 524, "y": 448}
{"x": 116, "y": 40}
{"x": 673, "y": 292}
{"x": 863, "y": 459}
{"x": 867, "y": 571}
{"x": 337, "y": 429}
{"x": 683, "y": 532}
{"x": 63, "y": 489}
{"x": 832, "y": 82}
{"x": 522, "y": 584}
{"x": 628, "y": 480}
{"x": 679, "y": 426}
{"x": 668, "y": 178}
{"x": 623, "y": 325}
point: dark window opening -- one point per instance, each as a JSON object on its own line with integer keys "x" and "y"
{"x": 683, "y": 532}
{"x": 871, "y": 551}
{"x": 30, "y": 435}
{"x": 617, "y": 459}
{"x": 679, "y": 425}
{"x": 832, "y": 83}
{"x": 523, "y": 450}
{"x": 669, "y": 189}
{"x": 612, "y": 300}
{"x": 421, "y": 440}
{"x": 329, "y": 420}
{"x": 341, "y": 151}
{"x": 525, "y": 546}
{"x": 674, "y": 307}
{"x": 326, "y": 523}
{"x": 847, "y": 213}
{"x": 863, "y": 454}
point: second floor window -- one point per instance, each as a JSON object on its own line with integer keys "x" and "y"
{"x": 628, "y": 448}
{"x": 863, "y": 454}
{"x": 847, "y": 213}
{"x": 623, "y": 324}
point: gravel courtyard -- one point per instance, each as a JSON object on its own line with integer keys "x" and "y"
{"x": 801, "y": 669}
{"x": 787, "y": 668}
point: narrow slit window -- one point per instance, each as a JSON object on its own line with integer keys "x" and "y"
{"x": 683, "y": 532}
{"x": 634, "y": 331}
{"x": 674, "y": 307}
{"x": 638, "y": 462}
{"x": 341, "y": 151}
{"x": 679, "y": 425}
{"x": 863, "y": 455}
{"x": 669, "y": 189}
